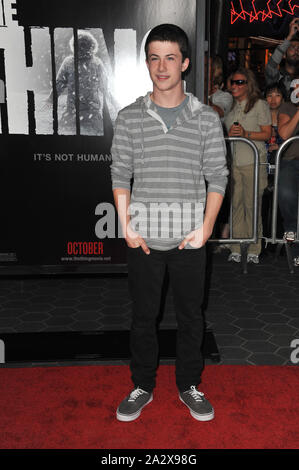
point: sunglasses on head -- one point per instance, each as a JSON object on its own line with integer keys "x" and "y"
{"x": 238, "y": 82}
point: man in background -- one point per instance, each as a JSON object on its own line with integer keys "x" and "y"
{"x": 289, "y": 49}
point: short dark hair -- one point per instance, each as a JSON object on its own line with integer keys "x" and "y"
{"x": 276, "y": 86}
{"x": 171, "y": 33}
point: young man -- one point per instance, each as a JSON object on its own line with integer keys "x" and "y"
{"x": 172, "y": 145}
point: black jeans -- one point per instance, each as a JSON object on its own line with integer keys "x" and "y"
{"x": 186, "y": 270}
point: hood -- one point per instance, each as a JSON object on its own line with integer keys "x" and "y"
{"x": 193, "y": 108}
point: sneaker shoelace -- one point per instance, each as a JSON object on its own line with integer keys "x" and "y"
{"x": 136, "y": 393}
{"x": 198, "y": 396}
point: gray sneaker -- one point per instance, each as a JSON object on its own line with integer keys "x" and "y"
{"x": 200, "y": 408}
{"x": 236, "y": 257}
{"x": 251, "y": 258}
{"x": 290, "y": 236}
{"x": 131, "y": 407}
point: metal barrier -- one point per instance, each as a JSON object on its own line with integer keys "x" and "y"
{"x": 274, "y": 238}
{"x": 244, "y": 242}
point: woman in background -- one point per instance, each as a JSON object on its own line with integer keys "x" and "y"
{"x": 250, "y": 118}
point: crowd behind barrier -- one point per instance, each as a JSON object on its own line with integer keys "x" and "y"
{"x": 274, "y": 239}
{"x": 268, "y": 126}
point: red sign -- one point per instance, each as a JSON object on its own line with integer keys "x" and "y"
{"x": 272, "y": 8}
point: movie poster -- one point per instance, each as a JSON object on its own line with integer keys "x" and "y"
{"x": 66, "y": 68}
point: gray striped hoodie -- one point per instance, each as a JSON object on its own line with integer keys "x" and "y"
{"x": 172, "y": 169}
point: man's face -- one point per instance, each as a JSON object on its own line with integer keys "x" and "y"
{"x": 292, "y": 54}
{"x": 165, "y": 64}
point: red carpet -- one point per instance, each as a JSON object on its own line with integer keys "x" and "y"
{"x": 256, "y": 407}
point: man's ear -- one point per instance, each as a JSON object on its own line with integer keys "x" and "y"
{"x": 185, "y": 64}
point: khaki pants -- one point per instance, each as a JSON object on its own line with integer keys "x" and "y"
{"x": 242, "y": 201}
